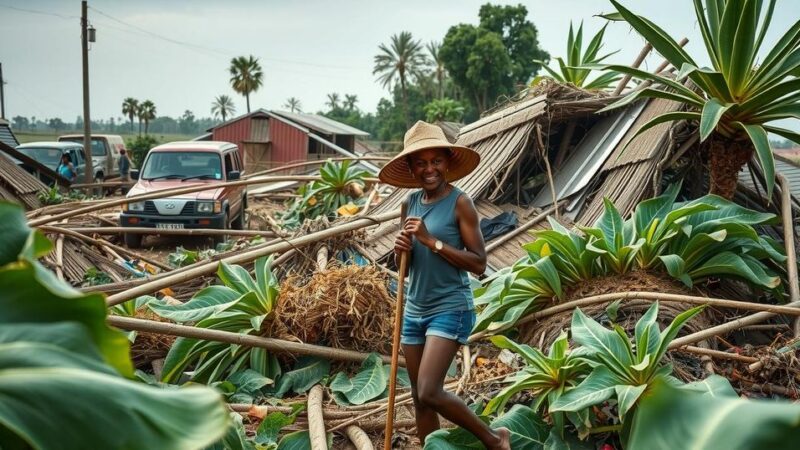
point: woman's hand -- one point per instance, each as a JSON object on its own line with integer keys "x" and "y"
{"x": 414, "y": 226}
{"x": 402, "y": 243}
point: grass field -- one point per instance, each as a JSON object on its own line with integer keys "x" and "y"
{"x": 27, "y": 136}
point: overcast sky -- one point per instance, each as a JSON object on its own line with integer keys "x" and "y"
{"x": 176, "y": 53}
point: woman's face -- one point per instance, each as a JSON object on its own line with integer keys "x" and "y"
{"x": 429, "y": 167}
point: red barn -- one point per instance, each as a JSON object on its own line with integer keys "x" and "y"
{"x": 268, "y": 139}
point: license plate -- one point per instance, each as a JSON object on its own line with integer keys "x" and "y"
{"x": 169, "y": 226}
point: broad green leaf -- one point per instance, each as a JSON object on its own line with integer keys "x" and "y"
{"x": 235, "y": 438}
{"x": 676, "y": 267}
{"x": 728, "y": 263}
{"x": 714, "y": 386}
{"x": 587, "y": 332}
{"x": 236, "y": 278}
{"x": 369, "y": 383}
{"x": 18, "y": 239}
{"x": 705, "y": 421}
{"x": 205, "y": 303}
{"x": 39, "y": 405}
{"x": 69, "y": 336}
{"x": 307, "y": 372}
{"x": 763, "y": 153}
{"x": 647, "y": 333}
{"x": 598, "y": 387}
{"x": 36, "y": 296}
{"x": 627, "y": 396}
{"x": 269, "y": 429}
{"x": 710, "y": 117}
{"x": 567, "y": 442}
{"x": 528, "y": 432}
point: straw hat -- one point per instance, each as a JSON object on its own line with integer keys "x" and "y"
{"x": 424, "y": 136}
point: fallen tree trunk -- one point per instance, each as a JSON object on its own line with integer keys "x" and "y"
{"x": 246, "y": 256}
{"x": 245, "y": 340}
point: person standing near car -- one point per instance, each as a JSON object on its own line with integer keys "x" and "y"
{"x": 124, "y": 165}
{"x": 441, "y": 235}
{"x": 66, "y": 169}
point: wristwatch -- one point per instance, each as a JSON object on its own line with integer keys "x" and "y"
{"x": 437, "y": 246}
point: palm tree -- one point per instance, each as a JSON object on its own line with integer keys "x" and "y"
{"x": 350, "y": 101}
{"x": 739, "y": 97}
{"x": 292, "y": 104}
{"x": 222, "y": 107}
{"x": 130, "y": 107}
{"x": 148, "y": 113}
{"x": 246, "y": 76}
{"x": 439, "y": 71}
{"x": 333, "y": 101}
{"x": 395, "y": 63}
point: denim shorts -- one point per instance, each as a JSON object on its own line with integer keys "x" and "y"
{"x": 453, "y": 325}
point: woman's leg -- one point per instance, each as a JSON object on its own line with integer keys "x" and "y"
{"x": 427, "y": 418}
{"x": 437, "y": 355}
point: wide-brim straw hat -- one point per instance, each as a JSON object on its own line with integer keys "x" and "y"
{"x": 424, "y": 136}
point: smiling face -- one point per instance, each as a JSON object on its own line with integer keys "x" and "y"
{"x": 429, "y": 167}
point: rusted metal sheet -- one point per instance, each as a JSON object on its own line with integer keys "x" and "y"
{"x": 289, "y": 144}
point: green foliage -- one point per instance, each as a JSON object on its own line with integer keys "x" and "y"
{"x": 55, "y": 347}
{"x": 308, "y": 371}
{"x": 444, "y": 110}
{"x": 51, "y": 196}
{"x": 691, "y": 241}
{"x": 183, "y": 257}
{"x": 326, "y": 196}
{"x": 138, "y": 147}
{"x": 95, "y": 277}
{"x": 370, "y": 383}
{"x": 575, "y": 70}
{"x": 240, "y": 305}
{"x": 741, "y": 93}
{"x": 528, "y": 431}
{"x": 404, "y": 58}
{"x": 493, "y": 58}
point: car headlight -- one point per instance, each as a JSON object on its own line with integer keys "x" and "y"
{"x": 205, "y": 207}
{"x": 135, "y": 206}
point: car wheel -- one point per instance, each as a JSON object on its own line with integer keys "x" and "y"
{"x": 221, "y": 238}
{"x": 133, "y": 240}
{"x": 98, "y": 192}
{"x": 238, "y": 222}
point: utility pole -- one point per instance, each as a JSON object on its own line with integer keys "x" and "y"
{"x": 2, "y": 95}
{"x": 87, "y": 123}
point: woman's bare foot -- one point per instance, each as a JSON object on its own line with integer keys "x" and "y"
{"x": 505, "y": 439}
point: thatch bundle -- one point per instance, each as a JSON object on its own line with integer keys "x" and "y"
{"x": 343, "y": 307}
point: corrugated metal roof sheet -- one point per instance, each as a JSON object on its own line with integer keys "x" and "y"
{"x": 321, "y": 123}
{"x": 789, "y": 169}
{"x": 6, "y": 135}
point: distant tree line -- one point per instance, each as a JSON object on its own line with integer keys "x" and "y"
{"x": 186, "y": 124}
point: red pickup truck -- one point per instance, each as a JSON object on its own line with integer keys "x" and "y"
{"x": 179, "y": 164}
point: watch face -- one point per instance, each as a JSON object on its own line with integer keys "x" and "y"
{"x": 438, "y": 245}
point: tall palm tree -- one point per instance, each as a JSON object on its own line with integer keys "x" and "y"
{"x": 148, "y": 113}
{"x": 222, "y": 107}
{"x": 246, "y": 76}
{"x": 350, "y": 101}
{"x": 130, "y": 107}
{"x": 333, "y": 100}
{"x": 292, "y": 104}
{"x": 439, "y": 71}
{"x": 403, "y": 57}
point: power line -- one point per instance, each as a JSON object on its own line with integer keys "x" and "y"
{"x": 34, "y": 11}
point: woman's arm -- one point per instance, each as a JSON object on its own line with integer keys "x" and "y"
{"x": 473, "y": 257}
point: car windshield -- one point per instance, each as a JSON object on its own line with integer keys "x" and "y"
{"x": 98, "y": 145}
{"x": 182, "y": 165}
{"x": 50, "y": 157}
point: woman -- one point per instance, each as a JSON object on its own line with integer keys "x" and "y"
{"x": 443, "y": 240}
{"x": 66, "y": 169}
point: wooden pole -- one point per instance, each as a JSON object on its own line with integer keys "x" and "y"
{"x": 398, "y": 325}
{"x": 636, "y": 63}
{"x": 87, "y": 122}
{"x": 318, "y": 162}
{"x": 316, "y": 423}
{"x": 245, "y": 340}
{"x": 168, "y": 280}
{"x": 788, "y": 242}
{"x": 169, "y": 232}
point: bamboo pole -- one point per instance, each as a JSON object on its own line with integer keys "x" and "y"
{"x": 543, "y": 151}
{"x": 175, "y": 191}
{"x": 316, "y": 424}
{"x": 788, "y": 242}
{"x": 168, "y": 280}
{"x": 171, "y": 232}
{"x": 317, "y": 162}
{"x": 729, "y": 326}
{"x": 322, "y": 258}
{"x": 245, "y": 340}
{"x": 637, "y": 295}
{"x": 359, "y": 438}
{"x": 636, "y": 63}
{"x": 398, "y": 324}
{"x": 262, "y": 411}
{"x": 717, "y": 354}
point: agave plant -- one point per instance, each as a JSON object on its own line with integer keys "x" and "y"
{"x": 622, "y": 367}
{"x": 739, "y": 96}
{"x": 340, "y": 185}
{"x": 547, "y": 377}
{"x": 240, "y": 305}
{"x": 575, "y": 70}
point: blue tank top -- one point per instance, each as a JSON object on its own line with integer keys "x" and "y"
{"x": 435, "y": 285}
{"x": 65, "y": 171}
